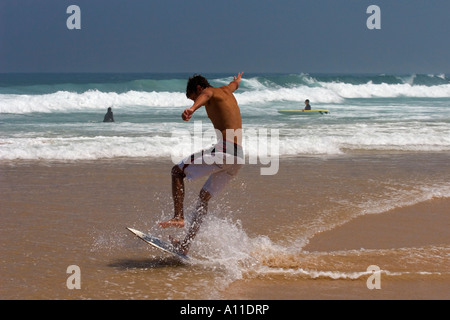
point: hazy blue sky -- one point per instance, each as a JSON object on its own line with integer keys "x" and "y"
{"x": 293, "y": 36}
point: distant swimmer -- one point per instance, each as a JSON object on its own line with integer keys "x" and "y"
{"x": 220, "y": 162}
{"x": 109, "y": 117}
{"x": 307, "y": 105}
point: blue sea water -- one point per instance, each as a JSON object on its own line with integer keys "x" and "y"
{"x": 60, "y": 116}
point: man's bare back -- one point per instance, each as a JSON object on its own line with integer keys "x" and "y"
{"x": 221, "y": 107}
{"x": 223, "y": 111}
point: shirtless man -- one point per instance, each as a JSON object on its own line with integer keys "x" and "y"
{"x": 223, "y": 111}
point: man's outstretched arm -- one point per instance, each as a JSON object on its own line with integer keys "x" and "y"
{"x": 234, "y": 85}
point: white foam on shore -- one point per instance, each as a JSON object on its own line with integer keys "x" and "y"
{"x": 334, "y": 141}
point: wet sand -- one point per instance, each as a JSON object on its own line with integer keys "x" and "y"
{"x": 425, "y": 225}
{"x": 295, "y": 235}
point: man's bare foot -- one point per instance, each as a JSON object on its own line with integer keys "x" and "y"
{"x": 175, "y": 222}
{"x": 177, "y": 245}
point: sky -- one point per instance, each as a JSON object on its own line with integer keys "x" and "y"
{"x": 209, "y": 36}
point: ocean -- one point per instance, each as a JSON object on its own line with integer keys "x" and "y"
{"x": 59, "y": 116}
{"x": 366, "y": 185}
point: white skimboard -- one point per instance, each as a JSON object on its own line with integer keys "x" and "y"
{"x": 157, "y": 243}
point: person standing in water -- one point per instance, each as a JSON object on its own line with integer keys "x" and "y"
{"x": 109, "y": 117}
{"x": 224, "y": 113}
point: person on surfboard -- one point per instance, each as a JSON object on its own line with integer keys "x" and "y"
{"x": 221, "y": 162}
{"x": 307, "y": 105}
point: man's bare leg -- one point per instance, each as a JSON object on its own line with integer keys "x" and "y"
{"x": 178, "y": 200}
{"x": 200, "y": 213}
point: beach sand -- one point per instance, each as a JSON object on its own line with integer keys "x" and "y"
{"x": 309, "y": 232}
{"x": 421, "y": 227}
{"x": 423, "y": 224}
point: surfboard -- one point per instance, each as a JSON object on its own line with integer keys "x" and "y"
{"x": 304, "y": 112}
{"x": 157, "y": 243}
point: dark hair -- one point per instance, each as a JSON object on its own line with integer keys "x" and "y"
{"x": 194, "y": 81}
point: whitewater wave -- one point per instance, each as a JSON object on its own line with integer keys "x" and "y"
{"x": 85, "y": 148}
{"x": 371, "y": 90}
{"x": 64, "y": 101}
{"x": 256, "y": 91}
{"x": 175, "y": 147}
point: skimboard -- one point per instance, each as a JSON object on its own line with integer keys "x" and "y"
{"x": 157, "y": 243}
{"x": 304, "y": 112}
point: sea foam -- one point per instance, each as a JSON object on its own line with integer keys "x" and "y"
{"x": 64, "y": 101}
{"x": 336, "y": 140}
{"x": 256, "y": 94}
